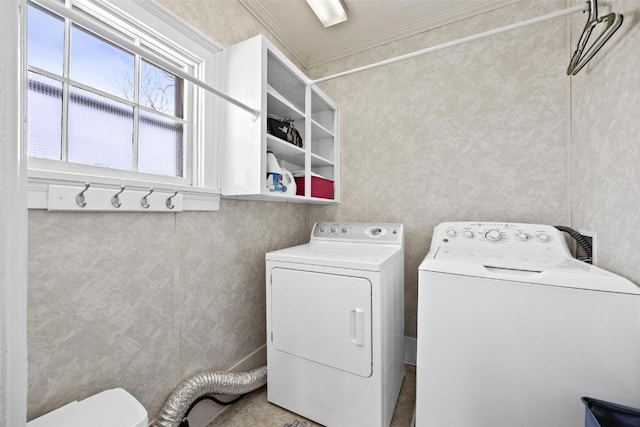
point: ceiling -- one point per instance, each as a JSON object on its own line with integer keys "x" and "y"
{"x": 371, "y": 23}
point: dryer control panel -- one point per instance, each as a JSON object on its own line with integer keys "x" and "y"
{"x": 501, "y": 237}
{"x": 362, "y": 232}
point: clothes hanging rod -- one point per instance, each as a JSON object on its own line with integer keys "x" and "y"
{"x": 113, "y": 36}
{"x": 463, "y": 40}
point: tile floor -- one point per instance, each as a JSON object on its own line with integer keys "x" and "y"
{"x": 254, "y": 410}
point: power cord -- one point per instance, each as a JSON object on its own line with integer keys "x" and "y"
{"x": 581, "y": 240}
{"x": 185, "y": 422}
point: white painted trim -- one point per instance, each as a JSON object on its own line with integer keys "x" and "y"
{"x": 257, "y": 10}
{"x": 194, "y": 198}
{"x": 13, "y": 221}
{"x": 94, "y": 25}
{"x": 170, "y": 20}
{"x": 200, "y": 190}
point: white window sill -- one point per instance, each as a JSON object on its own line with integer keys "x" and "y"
{"x": 53, "y": 190}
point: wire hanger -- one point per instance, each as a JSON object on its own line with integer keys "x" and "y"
{"x": 580, "y": 57}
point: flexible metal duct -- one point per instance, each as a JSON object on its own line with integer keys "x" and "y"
{"x": 208, "y": 383}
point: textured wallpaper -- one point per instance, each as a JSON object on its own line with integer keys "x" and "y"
{"x": 475, "y": 132}
{"x": 605, "y": 145}
{"x": 143, "y": 301}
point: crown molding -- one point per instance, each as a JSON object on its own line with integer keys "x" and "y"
{"x": 255, "y": 8}
{"x": 421, "y": 25}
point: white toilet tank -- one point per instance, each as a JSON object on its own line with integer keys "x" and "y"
{"x": 110, "y": 408}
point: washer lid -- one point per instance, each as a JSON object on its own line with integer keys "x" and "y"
{"x": 550, "y": 270}
{"x": 354, "y": 256}
{"x": 109, "y": 408}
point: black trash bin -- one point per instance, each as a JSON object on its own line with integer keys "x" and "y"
{"x": 599, "y": 413}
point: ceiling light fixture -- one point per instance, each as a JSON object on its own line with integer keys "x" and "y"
{"x": 329, "y": 12}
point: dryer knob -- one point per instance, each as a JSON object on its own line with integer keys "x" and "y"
{"x": 542, "y": 237}
{"x": 493, "y": 235}
{"x": 333, "y": 229}
{"x": 452, "y": 233}
{"x": 522, "y": 236}
{"x": 322, "y": 228}
{"x": 345, "y": 229}
{"x": 468, "y": 234}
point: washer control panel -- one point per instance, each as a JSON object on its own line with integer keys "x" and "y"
{"x": 500, "y": 237}
{"x": 390, "y": 233}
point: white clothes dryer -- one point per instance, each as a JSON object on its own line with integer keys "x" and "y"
{"x": 513, "y": 331}
{"x": 335, "y": 324}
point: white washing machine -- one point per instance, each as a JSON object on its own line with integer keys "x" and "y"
{"x": 335, "y": 324}
{"x": 513, "y": 331}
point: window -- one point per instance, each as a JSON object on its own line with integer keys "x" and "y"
{"x": 100, "y": 113}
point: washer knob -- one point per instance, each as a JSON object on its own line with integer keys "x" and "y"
{"x": 345, "y": 229}
{"x": 522, "y": 236}
{"x": 542, "y": 237}
{"x": 333, "y": 229}
{"x": 493, "y": 235}
{"x": 451, "y": 233}
{"x": 322, "y": 228}
{"x": 468, "y": 234}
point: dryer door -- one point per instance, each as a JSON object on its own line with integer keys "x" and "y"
{"x": 324, "y": 318}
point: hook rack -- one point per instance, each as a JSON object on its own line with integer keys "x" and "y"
{"x": 111, "y": 199}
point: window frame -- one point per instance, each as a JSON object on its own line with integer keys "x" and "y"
{"x": 157, "y": 30}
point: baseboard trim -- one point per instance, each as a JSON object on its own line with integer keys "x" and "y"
{"x": 206, "y": 411}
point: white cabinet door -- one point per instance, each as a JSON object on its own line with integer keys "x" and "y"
{"x": 324, "y": 318}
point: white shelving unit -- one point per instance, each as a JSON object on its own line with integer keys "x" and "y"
{"x": 258, "y": 74}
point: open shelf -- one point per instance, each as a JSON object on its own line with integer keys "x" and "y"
{"x": 322, "y": 110}
{"x": 283, "y": 80}
{"x": 283, "y": 150}
{"x": 279, "y": 106}
{"x": 259, "y": 72}
{"x": 320, "y": 132}
{"x": 317, "y": 161}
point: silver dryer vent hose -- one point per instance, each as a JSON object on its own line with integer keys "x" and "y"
{"x": 207, "y": 383}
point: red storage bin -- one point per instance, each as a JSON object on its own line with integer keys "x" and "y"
{"x": 320, "y": 187}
